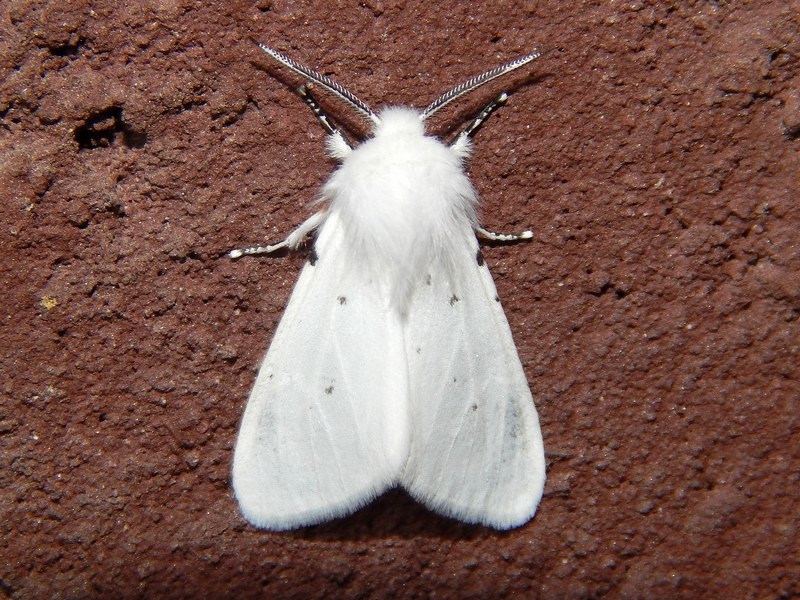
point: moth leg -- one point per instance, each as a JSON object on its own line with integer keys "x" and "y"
{"x": 321, "y": 115}
{"x": 461, "y": 141}
{"x": 292, "y": 241}
{"x": 503, "y": 237}
{"x": 338, "y": 146}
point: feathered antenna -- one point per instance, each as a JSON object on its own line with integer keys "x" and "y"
{"x": 477, "y": 81}
{"x": 329, "y": 84}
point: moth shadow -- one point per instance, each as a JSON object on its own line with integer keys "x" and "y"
{"x": 393, "y": 514}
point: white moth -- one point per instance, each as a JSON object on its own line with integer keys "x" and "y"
{"x": 393, "y": 364}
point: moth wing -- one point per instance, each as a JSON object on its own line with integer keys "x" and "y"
{"x": 326, "y": 425}
{"x": 476, "y": 450}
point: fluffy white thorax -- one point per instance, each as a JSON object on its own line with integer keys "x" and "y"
{"x": 402, "y": 197}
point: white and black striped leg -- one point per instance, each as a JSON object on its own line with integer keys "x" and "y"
{"x": 338, "y": 146}
{"x": 321, "y": 115}
{"x": 503, "y": 237}
{"x": 476, "y": 123}
{"x": 292, "y": 241}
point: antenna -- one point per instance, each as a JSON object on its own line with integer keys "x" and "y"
{"x": 329, "y": 84}
{"x": 477, "y": 81}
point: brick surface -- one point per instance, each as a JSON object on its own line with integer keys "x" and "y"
{"x": 654, "y": 152}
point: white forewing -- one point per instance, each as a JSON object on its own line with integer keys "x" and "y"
{"x": 476, "y": 450}
{"x": 326, "y": 426}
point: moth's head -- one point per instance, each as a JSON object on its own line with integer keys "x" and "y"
{"x": 398, "y": 120}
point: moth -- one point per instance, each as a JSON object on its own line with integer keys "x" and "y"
{"x": 393, "y": 364}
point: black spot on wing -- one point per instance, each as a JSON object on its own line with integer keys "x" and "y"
{"x": 329, "y": 390}
{"x": 453, "y": 300}
{"x": 313, "y": 257}
{"x": 342, "y": 300}
{"x": 479, "y": 258}
{"x": 513, "y": 420}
